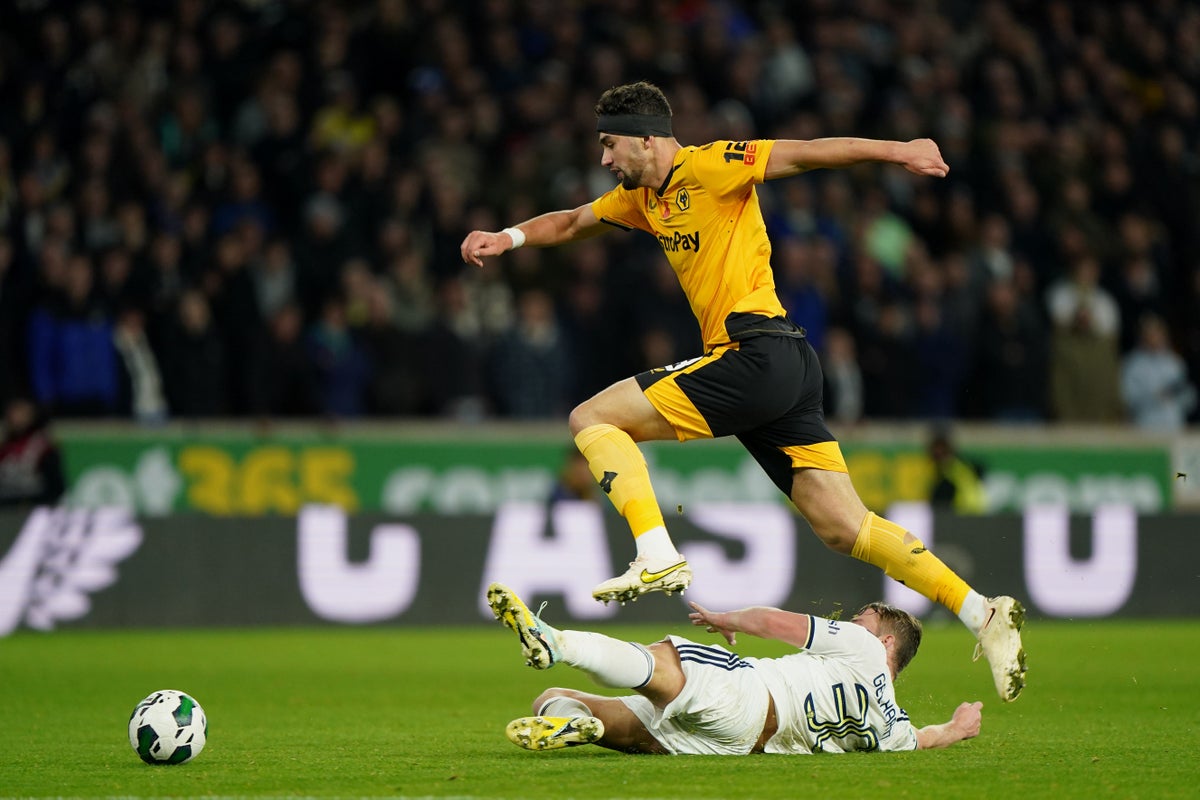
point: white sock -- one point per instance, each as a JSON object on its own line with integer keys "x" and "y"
{"x": 974, "y": 611}
{"x": 564, "y": 707}
{"x": 656, "y": 545}
{"x": 610, "y": 662}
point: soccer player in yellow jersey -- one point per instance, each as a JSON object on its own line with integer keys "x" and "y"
{"x": 759, "y": 378}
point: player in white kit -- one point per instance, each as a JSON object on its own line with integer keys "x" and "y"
{"x": 836, "y": 694}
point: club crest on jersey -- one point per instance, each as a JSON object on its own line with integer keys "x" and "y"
{"x": 683, "y": 200}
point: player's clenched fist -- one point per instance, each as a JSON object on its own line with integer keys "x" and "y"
{"x": 479, "y": 244}
{"x": 922, "y": 157}
{"x": 968, "y": 718}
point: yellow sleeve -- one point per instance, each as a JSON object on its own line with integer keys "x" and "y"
{"x": 729, "y": 169}
{"x": 619, "y": 206}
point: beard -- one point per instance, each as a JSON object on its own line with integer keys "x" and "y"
{"x": 632, "y": 177}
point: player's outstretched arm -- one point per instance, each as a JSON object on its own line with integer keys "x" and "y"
{"x": 760, "y": 621}
{"x": 793, "y": 156}
{"x": 544, "y": 231}
{"x": 963, "y": 725}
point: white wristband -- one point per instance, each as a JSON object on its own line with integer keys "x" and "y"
{"x": 518, "y": 237}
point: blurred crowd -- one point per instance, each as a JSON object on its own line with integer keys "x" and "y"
{"x": 254, "y": 208}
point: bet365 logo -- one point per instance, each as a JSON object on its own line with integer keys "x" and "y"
{"x": 60, "y": 558}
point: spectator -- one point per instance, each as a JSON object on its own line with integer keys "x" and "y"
{"x": 229, "y": 287}
{"x": 492, "y": 302}
{"x": 72, "y": 359}
{"x": 120, "y": 284}
{"x": 453, "y": 338}
{"x": 1010, "y": 359}
{"x": 957, "y": 483}
{"x": 8, "y": 186}
{"x": 886, "y": 236}
{"x": 1083, "y": 372}
{"x": 341, "y": 124}
{"x": 31, "y": 468}
{"x": 13, "y": 313}
{"x": 187, "y": 128}
{"x": 323, "y": 248}
{"x": 1138, "y": 292}
{"x": 341, "y": 367}
{"x": 1084, "y": 358}
{"x": 531, "y": 368}
{"x": 184, "y": 121}
{"x": 142, "y": 389}
{"x": 574, "y": 481}
{"x": 97, "y": 223}
{"x": 274, "y": 276}
{"x": 281, "y": 379}
{"x": 1188, "y": 325}
{"x": 889, "y": 364}
{"x": 1081, "y": 290}
{"x": 940, "y": 360}
{"x": 49, "y": 168}
{"x": 802, "y": 290}
{"x": 244, "y": 201}
{"x": 165, "y": 282}
{"x": 397, "y": 386}
{"x": 843, "y": 378}
{"x": 1154, "y": 381}
{"x": 412, "y": 291}
{"x": 583, "y": 323}
{"x": 357, "y": 284}
{"x": 661, "y": 307}
{"x": 280, "y": 155}
{"x": 194, "y": 361}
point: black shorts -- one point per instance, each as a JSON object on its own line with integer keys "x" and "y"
{"x": 767, "y": 390}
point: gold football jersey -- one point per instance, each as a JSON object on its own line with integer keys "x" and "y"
{"x": 707, "y": 220}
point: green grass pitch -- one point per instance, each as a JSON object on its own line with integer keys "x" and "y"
{"x": 1111, "y": 712}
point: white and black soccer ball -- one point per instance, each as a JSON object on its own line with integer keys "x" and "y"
{"x": 168, "y": 727}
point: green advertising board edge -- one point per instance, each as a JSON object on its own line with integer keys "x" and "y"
{"x": 446, "y": 469}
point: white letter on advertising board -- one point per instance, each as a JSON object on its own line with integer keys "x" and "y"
{"x": 766, "y": 570}
{"x": 568, "y": 562}
{"x": 1067, "y": 587}
{"x": 380, "y": 588}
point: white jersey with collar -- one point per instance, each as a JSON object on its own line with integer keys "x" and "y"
{"x": 836, "y": 695}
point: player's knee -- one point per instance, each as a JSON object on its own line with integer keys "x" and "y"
{"x": 581, "y": 417}
{"x": 547, "y": 696}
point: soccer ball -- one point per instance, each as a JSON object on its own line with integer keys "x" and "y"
{"x": 168, "y": 727}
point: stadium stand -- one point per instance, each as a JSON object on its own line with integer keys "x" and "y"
{"x": 253, "y": 209}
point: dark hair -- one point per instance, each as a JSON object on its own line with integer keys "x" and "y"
{"x": 634, "y": 98}
{"x": 901, "y": 624}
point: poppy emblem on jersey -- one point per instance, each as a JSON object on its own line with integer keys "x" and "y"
{"x": 666, "y": 209}
{"x": 683, "y": 200}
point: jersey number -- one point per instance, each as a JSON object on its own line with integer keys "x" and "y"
{"x": 746, "y": 152}
{"x": 846, "y": 724}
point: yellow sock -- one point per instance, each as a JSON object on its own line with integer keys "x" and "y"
{"x": 903, "y": 557}
{"x": 620, "y": 469}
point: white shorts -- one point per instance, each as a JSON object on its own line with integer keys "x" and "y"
{"x": 720, "y": 711}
